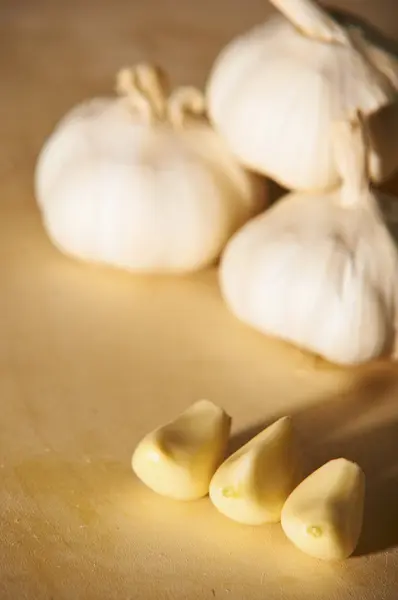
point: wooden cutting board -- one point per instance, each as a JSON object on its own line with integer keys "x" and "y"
{"x": 91, "y": 359}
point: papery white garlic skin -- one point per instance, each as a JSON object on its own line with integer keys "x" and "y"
{"x": 318, "y": 273}
{"x": 298, "y": 274}
{"x": 323, "y": 516}
{"x": 274, "y": 91}
{"x": 252, "y": 485}
{"x": 179, "y": 459}
{"x": 157, "y": 197}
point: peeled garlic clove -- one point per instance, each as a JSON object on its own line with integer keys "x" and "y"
{"x": 320, "y": 270}
{"x": 141, "y": 181}
{"x": 274, "y": 91}
{"x": 179, "y": 459}
{"x": 323, "y": 515}
{"x": 252, "y": 485}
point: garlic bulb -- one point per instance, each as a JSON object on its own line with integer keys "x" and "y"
{"x": 320, "y": 270}
{"x": 141, "y": 181}
{"x": 274, "y": 91}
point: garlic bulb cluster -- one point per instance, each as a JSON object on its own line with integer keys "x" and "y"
{"x": 320, "y": 270}
{"x": 274, "y": 92}
{"x": 141, "y": 181}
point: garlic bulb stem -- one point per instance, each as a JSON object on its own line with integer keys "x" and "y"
{"x": 312, "y": 20}
{"x": 350, "y": 145}
{"x": 184, "y": 102}
{"x": 145, "y": 87}
{"x": 154, "y": 83}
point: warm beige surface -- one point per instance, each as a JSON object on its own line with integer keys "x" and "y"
{"x": 92, "y": 359}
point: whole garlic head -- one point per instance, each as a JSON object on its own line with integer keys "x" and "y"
{"x": 320, "y": 270}
{"x": 274, "y": 91}
{"x": 141, "y": 181}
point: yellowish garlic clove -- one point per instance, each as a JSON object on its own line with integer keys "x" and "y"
{"x": 252, "y": 485}
{"x": 323, "y": 515}
{"x": 179, "y": 459}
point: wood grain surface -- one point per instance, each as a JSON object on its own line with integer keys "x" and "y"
{"x": 91, "y": 359}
